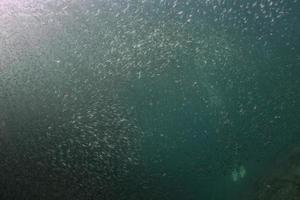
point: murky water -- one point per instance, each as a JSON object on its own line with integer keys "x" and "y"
{"x": 143, "y": 99}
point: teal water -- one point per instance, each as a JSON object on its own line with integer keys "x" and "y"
{"x": 145, "y": 99}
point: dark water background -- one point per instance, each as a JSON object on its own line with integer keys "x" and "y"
{"x": 145, "y": 99}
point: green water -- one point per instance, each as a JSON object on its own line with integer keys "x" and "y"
{"x": 145, "y": 99}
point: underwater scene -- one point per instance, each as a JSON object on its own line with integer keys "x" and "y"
{"x": 150, "y": 99}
